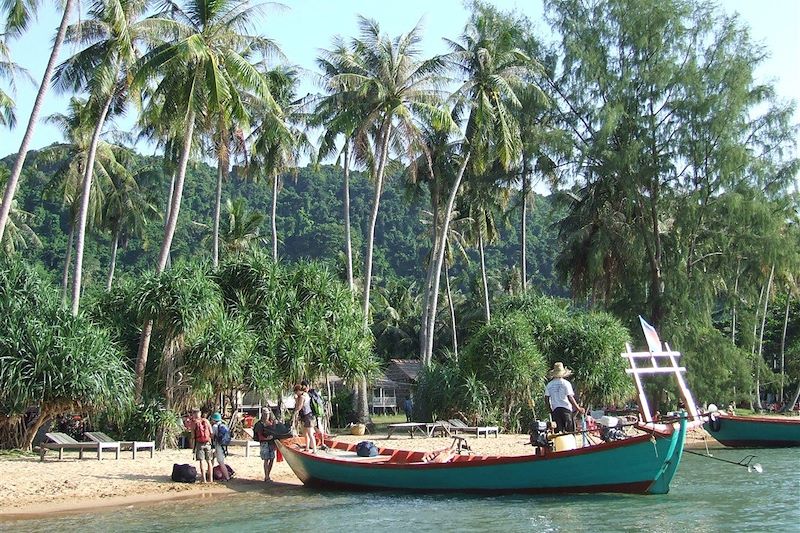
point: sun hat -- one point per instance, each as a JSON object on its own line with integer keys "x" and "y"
{"x": 216, "y": 417}
{"x": 558, "y": 371}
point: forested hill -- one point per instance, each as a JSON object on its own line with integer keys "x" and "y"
{"x": 309, "y": 224}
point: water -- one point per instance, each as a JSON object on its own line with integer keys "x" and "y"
{"x": 705, "y": 496}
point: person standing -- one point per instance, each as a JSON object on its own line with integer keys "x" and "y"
{"x": 408, "y": 408}
{"x": 218, "y": 433}
{"x": 264, "y": 433}
{"x": 200, "y": 429}
{"x": 302, "y": 412}
{"x": 561, "y": 397}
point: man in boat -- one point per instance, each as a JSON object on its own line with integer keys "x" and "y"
{"x": 263, "y": 432}
{"x": 561, "y": 397}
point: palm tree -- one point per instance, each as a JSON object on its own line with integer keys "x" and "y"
{"x": 128, "y": 209}
{"x": 394, "y": 87}
{"x": 493, "y": 66}
{"x": 19, "y": 15}
{"x": 241, "y": 230}
{"x": 110, "y": 35}
{"x": 198, "y": 72}
{"x": 279, "y": 140}
{"x": 9, "y": 71}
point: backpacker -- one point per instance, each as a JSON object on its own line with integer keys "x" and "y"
{"x": 317, "y": 403}
{"x": 366, "y": 448}
{"x": 218, "y": 472}
{"x": 202, "y": 431}
{"x": 223, "y": 435}
{"x": 184, "y": 473}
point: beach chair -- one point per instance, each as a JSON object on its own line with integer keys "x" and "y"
{"x": 460, "y": 426}
{"x": 62, "y": 441}
{"x": 124, "y": 445}
{"x": 247, "y": 443}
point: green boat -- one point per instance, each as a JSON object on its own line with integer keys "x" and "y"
{"x": 754, "y": 431}
{"x": 642, "y": 464}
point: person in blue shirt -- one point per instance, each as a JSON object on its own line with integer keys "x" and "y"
{"x": 408, "y": 408}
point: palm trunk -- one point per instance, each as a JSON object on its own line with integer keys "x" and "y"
{"x": 484, "y": 280}
{"x": 735, "y": 299}
{"x": 169, "y": 208}
{"x": 789, "y": 405}
{"x": 426, "y": 289}
{"x": 33, "y": 429}
{"x": 452, "y": 309}
{"x": 373, "y": 219}
{"x": 274, "y": 214}
{"x": 114, "y": 247}
{"x": 523, "y": 231}
{"x": 440, "y": 249}
{"x": 169, "y": 233}
{"x": 217, "y": 205}
{"x": 83, "y": 214}
{"x": 783, "y": 340}
{"x": 67, "y": 264}
{"x": 348, "y": 241}
{"x": 761, "y": 340}
{"x": 16, "y": 171}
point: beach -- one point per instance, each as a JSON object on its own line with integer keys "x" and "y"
{"x": 32, "y": 487}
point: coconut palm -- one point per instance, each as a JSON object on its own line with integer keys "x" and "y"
{"x": 18, "y": 15}
{"x": 199, "y": 71}
{"x": 110, "y": 36}
{"x": 278, "y": 140}
{"x": 493, "y": 67}
{"x": 9, "y": 71}
{"x": 127, "y": 211}
{"x": 241, "y": 230}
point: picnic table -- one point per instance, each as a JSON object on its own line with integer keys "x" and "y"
{"x": 410, "y": 426}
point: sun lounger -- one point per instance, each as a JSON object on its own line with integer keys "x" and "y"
{"x": 125, "y": 445}
{"x": 460, "y": 426}
{"x": 62, "y": 441}
{"x": 247, "y": 443}
{"x": 409, "y": 426}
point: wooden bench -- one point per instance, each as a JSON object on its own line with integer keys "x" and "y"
{"x": 62, "y": 441}
{"x": 410, "y": 426}
{"x": 126, "y": 445}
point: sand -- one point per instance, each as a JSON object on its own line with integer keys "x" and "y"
{"x": 31, "y": 487}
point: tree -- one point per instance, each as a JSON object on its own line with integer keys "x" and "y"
{"x": 9, "y": 71}
{"x": 49, "y": 359}
{"x": 197, "y": 72}
{"x": 241, "y": 230}
{"x": 111, "y": 35}
{"x": 19, "y": 15}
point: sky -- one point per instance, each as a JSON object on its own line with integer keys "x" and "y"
{"x": 303, "y": 27}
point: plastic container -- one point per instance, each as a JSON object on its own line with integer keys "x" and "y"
{"x": 564, "y": 442}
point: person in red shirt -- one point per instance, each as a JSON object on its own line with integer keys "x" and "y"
{"x": 263, "y": 433}
{"x": 200, "y": 428}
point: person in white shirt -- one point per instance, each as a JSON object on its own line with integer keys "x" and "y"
{"x": 561, "y": 396}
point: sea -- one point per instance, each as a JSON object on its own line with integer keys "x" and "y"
{"x": 706, "y": 495}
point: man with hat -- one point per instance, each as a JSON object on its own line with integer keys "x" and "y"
{"x": 559, "y": 393}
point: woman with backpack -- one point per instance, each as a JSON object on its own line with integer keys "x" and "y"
{"x": 221, "y": 437}
{"x": 303, "y": 412}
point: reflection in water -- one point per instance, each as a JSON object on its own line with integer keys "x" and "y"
{"x": 705, "y": 496}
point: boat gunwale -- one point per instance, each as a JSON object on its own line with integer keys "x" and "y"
{"x": 480, "y": 460}
{"x": 760, "y": 419}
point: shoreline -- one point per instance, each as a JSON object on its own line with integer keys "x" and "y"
{"x": 40, "y": 490}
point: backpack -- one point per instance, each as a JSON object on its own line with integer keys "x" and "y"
{"x": 184, "y": 473}
{"x": 366, "y": 448}
{"x": 317, "y": 403}
{"x": 217, "y": 470}
{"x": 202, "y": 431}
{"x": 223, "y": 435}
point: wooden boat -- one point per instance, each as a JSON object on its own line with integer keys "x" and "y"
{"x": 754, "y": 431}
{"x": 643, "y": 463}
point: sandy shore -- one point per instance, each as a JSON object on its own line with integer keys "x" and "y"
{"x": 31, "y": 487}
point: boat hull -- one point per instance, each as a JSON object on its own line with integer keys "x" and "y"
{"x": 754, "y": 432}
{"x": 637, "y": 465}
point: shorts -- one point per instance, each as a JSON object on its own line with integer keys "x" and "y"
{"x": 267, "y": 451}
{"x": 202, "y": 451}
{"x": 308, "y": 420}
{"x": 563, "y": 419}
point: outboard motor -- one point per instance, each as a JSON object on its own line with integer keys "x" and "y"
{"x": 538, "y": 432}
{"x": 609, "y": 430}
